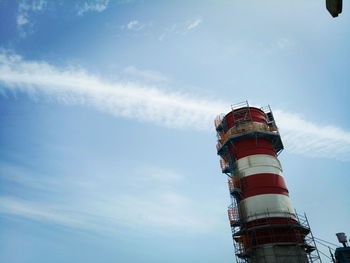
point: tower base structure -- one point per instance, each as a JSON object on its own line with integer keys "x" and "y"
{"x": 287, "y": 253}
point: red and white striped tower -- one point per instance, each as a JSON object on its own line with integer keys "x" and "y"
{"x": 264, "y": 224}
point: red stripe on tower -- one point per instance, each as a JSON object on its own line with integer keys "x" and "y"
{"x": 251, "y": 146}
{"x": 259, "y": 184}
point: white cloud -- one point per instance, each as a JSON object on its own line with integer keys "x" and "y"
{"x": 162, "y": 107}
{"x": 32, "y": 210}
{"x": 38, "y": 5}
{"x": 125, "y": 99}
{"x": 168, "y": 210}
{"x": 135, "y": 25}
{"x": 105, "y": 202}
{"x": 284, "y": 43}
{"x": 92, "y": 6}
{"x": 32, "y": 5}
{"x": 193, "y": 24}
{"x": 150, "y": 75}
{"x": 173, "y": 29}
{"x": 307, "y": 138}
{"x": 22, "y": 20}
{"x": 25, "y": 9}
{"x": 181, "y": 28}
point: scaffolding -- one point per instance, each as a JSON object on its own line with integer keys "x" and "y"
{"x": 235, "y": 187}
{"x": 239, "y": 242}
{"x": 218, "y": 122}
{"x": 246, "y": 129}
{"x": 293, "y": 232}
{"x": 225, "y": 167}
{"x": 310, "y": 243}
{"x": 294, "y": 229}
{"x": 270, "y": 119}
{"x": 241, "y": 113}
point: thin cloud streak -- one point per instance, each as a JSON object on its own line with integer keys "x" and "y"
{"x": 92, "y": 6}
{"x": 25, "y": 10}
{"x": 104, "y": 203}
{"x": 145, "y": 75}
{"x": 31, "y": 210}
{"x": 181, "y": 28}
{"x": 162, "y": 107}
{"x": 194, "y": 24}
{"x": 135, "y": 25}
{"x": 125, "y": 99}
{"x": 307, "y": 138}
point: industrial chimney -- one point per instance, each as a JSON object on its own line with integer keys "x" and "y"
{"x": 264, "y": 224}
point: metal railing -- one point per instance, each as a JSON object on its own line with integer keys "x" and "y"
{"x": 245, "y": 129}
{"x": 234, "y": 183}
{"x": 225, "y": 167}
{"x": 233, "y": 214}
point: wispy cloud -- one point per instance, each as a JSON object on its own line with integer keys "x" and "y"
{"x": 148, "y": 75}
{"x": 125, "y": 99}
{"x": 35, "y": 211}
{"x": 284, "y": 43}
{"x": 22, "y": 20}
{"x": 311, "y": 139}
{"x": 174, "y": 29}
{"x": 92, "y": 6}
{"x": 193, "y": 24}
{"x": 162, "y": 107}
{"x": 136, "y": 25}
{"x": 25, "y": 9}
{"x": 182, "y": 28}
{"x": 104, "y": 202}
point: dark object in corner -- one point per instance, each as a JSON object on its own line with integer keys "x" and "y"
{"x": 334, "y": 7}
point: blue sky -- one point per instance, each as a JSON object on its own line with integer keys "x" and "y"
{"x": 106, "y": 122}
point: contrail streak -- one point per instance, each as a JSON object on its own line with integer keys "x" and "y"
{"x": 161, "y": 107}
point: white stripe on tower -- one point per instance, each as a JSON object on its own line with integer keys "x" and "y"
{"x": 268, "y": 205}
{"x": 258, "y": 164}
